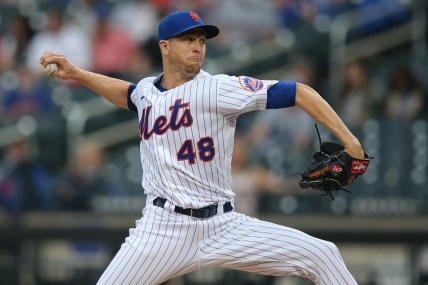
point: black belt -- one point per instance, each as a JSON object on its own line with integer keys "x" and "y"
{"x": 201, "y": 213}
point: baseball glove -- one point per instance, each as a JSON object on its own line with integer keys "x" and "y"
{"x": 332, "y": 169}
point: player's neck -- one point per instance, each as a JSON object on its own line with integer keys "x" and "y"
{"x": 173, "y": 79}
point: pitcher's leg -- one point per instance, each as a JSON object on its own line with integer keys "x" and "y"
{"x": 159, "y": 248}
{"x": 256, "y": 246}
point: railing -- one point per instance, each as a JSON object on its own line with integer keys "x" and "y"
{"x": 342, "y": 52}
{"x": 23, "y": 128}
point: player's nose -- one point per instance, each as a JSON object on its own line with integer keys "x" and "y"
{"x": 197, "y": 47}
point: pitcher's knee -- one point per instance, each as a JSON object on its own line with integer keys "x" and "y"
{"x": 332, "y": 253}
{"x": 333, "y": 248}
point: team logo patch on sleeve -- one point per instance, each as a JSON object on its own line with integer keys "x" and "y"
{"x": 250, "y": 84}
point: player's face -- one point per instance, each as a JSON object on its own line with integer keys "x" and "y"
{"x": 187, "y": 51}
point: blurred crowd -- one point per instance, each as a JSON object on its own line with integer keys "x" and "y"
{"x": 119, "y": 38}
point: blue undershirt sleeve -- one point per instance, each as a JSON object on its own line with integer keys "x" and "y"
{"x": 131, "y": 105}
{"x": 281, "y": 95}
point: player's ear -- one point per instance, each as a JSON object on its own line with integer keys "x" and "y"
{"x": 164, "y": 47}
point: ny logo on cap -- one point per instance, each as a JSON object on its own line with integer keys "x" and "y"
{"x": 194, "y": 16}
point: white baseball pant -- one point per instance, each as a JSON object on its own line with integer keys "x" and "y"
{"x": 166, "y": 244}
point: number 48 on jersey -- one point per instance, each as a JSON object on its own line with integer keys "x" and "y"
{"x": 205, "y": 148}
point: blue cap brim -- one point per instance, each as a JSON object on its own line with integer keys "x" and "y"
{"x": 211, "y": 31}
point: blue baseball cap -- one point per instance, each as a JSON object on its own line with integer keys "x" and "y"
{"x": 183, "y": 21}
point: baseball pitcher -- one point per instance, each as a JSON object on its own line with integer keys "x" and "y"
{"x": 187, "y": 119}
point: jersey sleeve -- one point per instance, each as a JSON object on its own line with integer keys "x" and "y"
{"x": 131, "y": 104}
{"x": 238, "y": 95}
{"x": 281, "y": 95}
{"x": 136, "y": 94}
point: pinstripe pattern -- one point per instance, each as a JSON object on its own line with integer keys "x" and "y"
{"x": 186, "y": 150}
{"x": 214, "y": 103}
{"x": 165, "y": 245}
{"x": 256, "y": 246}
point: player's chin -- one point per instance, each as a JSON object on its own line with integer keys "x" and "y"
{"x": 194, "y": 68}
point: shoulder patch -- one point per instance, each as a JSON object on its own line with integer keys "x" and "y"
{"x": 250, "y": 84}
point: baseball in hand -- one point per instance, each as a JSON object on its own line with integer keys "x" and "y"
{"x": 48, "y": 69}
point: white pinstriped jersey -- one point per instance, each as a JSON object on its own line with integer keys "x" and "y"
{"x": 186, "y": 150}
{"x": 187, "y": 135}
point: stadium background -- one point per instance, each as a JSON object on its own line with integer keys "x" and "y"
{"x": 69, "y": 161}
